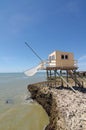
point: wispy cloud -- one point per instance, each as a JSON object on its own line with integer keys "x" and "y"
{"x": 82, "y": 58}
{"x": 6, "y": 58}
{"x": 15, "y": 22}
{"x": 82, "y": 62}
{"x": 20, "y": 21}
{"x": 72, "y": 7}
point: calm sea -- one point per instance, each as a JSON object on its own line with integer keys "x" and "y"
{"x": 17, "y": 113}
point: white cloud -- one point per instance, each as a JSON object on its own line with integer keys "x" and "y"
{"x": 82, "y": 58}
{"x": 82, "y": 63}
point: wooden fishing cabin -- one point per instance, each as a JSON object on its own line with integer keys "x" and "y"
{"x": 59, "y": 62}
{"x": 62, "y": 60}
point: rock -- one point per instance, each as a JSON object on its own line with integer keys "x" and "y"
{"x": 9, "y": 101}
{"x": 64, "y": 107}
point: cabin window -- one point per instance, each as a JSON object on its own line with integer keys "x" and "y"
{"x": 62, "y": 56}
{"x": 66, "y": 57}
{"x": 49, "y": 58}
{"x": 53, "y": 57}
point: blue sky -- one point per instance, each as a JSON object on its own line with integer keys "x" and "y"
{"x": 47, "y": 25}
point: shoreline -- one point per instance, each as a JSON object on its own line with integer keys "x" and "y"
{"x": 66, "y": 109}
{"x": 44, "y": 97}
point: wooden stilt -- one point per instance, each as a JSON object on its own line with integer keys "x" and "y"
{"x": 75, "y": 78}
{"x": 47, "y": 77}
{"x": 50, "y": 75}
{"x": 67, "y": 77}
{"x": 47, "y": 74}
{"x": 55, "y": 76}
{"x": 61, "y": 79}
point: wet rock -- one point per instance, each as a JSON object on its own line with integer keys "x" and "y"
{"x": 9, "y": 101}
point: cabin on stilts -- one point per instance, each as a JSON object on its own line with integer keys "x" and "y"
{"x": 60, "y": 63}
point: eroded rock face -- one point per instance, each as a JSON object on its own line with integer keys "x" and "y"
{"x": 46, "y": 98}
{"x": 66, "y": 109}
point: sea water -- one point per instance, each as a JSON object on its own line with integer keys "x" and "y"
{"x": 16, "y": 112}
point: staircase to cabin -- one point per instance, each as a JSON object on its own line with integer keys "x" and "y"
{"x": 68, "y": 84}
{"x": 79, "y": 81}
{"x": 83, "y": 79}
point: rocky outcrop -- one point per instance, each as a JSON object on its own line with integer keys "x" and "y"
{"x": 66, "y": 109}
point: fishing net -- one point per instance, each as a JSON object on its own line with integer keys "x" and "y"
{"x": 32, "y": 71}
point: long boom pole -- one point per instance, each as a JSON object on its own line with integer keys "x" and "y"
{"x": 33, "y": 51}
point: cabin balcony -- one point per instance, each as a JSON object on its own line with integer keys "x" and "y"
{"x": 51, "y": 64}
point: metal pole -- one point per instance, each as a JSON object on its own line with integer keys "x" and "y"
{"x": 34, "y": 51}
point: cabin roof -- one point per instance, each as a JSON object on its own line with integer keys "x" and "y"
{"x": 61, "y": 52}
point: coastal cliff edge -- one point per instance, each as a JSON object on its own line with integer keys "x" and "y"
{"x": 66, "y": 109}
